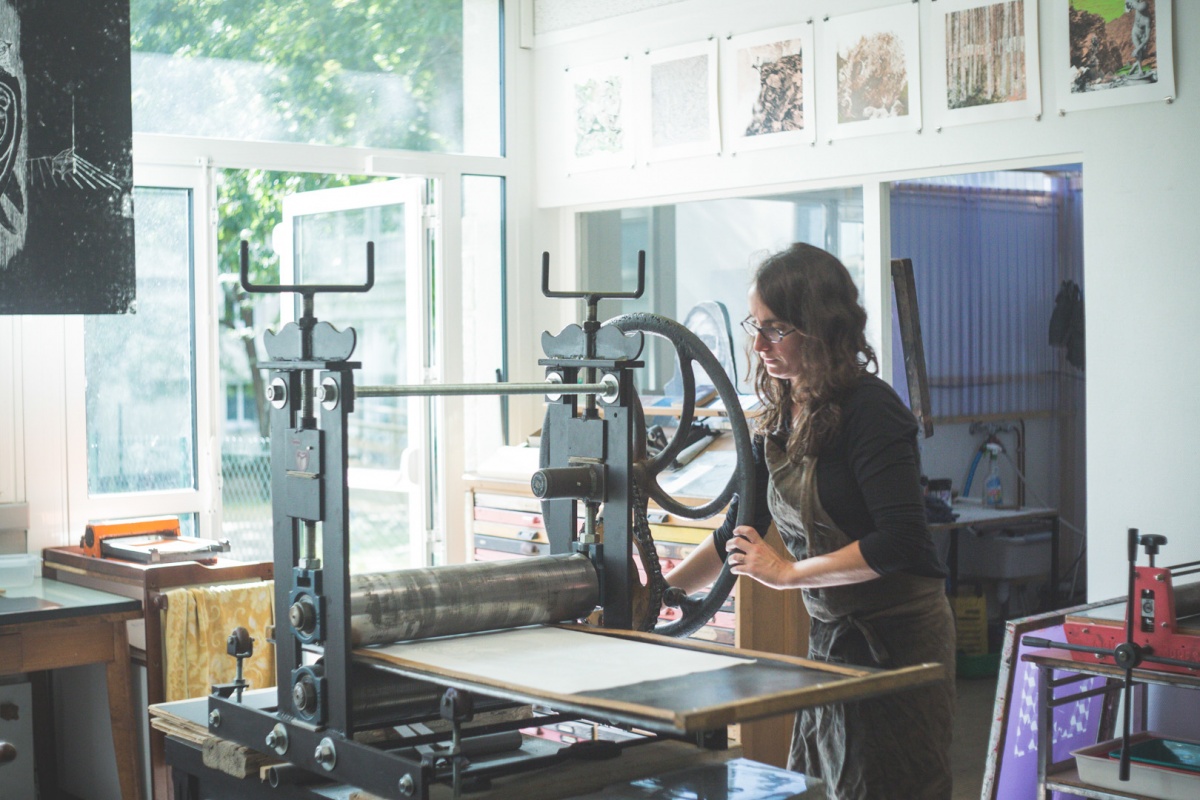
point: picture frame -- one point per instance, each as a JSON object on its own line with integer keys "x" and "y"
{"x": 600, "y": 112}
{"x": 869, "y": 72}
{"x": 767, "y": 94}
{"x": 1107, "y": 59}
{"x": 680, "y": 102}
{"x": 986, "y": 52}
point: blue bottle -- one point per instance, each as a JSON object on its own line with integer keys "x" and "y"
{"x": 993, "y": 489}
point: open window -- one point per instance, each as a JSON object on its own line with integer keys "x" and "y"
{"x": 323, "y": 239}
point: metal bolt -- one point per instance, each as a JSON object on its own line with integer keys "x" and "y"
{"x": 277, "y": 739}
{"x": 406, "y": 785}
{"x": 326, "y": 754}
{"x": 304, "y": 696}
{"x": 327, "y": 394}
{"x": 1160, "y": 577}
{"x": 277, "y": 393}
{"x": 214, "y": 718}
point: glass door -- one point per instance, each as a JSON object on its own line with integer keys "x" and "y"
{"x": 323, "y": 239}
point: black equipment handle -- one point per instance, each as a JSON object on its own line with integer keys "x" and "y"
{"x": 307, "y": 290}
{"x": 593, "y": 298}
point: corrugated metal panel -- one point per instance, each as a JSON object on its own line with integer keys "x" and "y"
{"x": 987, "y": 267}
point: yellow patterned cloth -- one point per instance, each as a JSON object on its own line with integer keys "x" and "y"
{"x": 196, "y": 627}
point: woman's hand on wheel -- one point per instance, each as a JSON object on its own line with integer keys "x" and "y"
{"x": 748, "y": 554}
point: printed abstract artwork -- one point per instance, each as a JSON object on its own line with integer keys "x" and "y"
{"x": 768, "y": 87}
{"x": 598, "y": 99}
{"x": 985, "y": 55}
{"x": 682, "y": 101}
{"x": 66, "y": 169}
{"x": 876, "y": 69}
{"x": 990, "y": 56}
{"x": 1117, "y": 51}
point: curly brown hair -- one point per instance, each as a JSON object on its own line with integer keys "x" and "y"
{"x": 813, "y": 292}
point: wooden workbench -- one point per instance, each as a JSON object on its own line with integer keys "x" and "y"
{"x": 51, "y": 625}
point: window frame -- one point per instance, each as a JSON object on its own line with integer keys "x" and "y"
{"x": 200, "y": 499}
{"x": 52, "y": 430}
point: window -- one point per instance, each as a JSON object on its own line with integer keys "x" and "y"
{"x": 484, "y": 341}
{"x": 144, "y": 395}
{"x": 389, "y": 74}
{"x": 140, "y": 389}
{"x": 217, "y": 88}
{"x": 323, "y": 239}
{"x": 707, "y": 250}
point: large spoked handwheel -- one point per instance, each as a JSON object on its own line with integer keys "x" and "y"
{"x": 699, "y": 608}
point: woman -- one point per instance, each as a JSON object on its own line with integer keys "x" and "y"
{"x": 838, "y": 470}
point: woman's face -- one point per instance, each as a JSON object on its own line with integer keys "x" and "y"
{"x": 780, "y": 359}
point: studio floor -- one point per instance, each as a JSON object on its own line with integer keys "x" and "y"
{"x": 972, "y": 727}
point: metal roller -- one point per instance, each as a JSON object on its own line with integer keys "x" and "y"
{"x": 383, "y": 698}
{"x": 409, "y": 604}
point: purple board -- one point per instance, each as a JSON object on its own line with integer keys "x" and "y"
{"x": 1075, "y": 725}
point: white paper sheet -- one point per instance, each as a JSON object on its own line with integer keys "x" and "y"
{"x": 559, "y": 661}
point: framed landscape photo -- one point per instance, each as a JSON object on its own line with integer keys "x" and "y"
{"x": 870, "y": 62}
{"x": 987, "y": 57}
{"x": 680, "y": 98}
{"x": 1112, "y": 52}
{"x": 598, "y": 99}
{"x": 767, "y": 88}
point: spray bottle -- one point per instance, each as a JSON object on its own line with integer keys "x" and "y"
{"x": 993, "y": 489}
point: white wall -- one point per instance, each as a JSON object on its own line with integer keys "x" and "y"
{"x": 1140, "y": 176}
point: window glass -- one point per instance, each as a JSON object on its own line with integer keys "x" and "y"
{"x": 706, "y": 251}
{"x": 249, "y": 207}
{"x": 384, "y": 433}
{"x": 140, "y": 394}
{"x": 484, "y": 327}
{"x": 389, "y": 73}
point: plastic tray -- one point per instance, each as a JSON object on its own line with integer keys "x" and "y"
{"x": 1097, "y": 767}
{"x": 1173, "y": 753}
{"x": 18, "y": 570}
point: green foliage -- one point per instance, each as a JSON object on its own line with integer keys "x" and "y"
{"x": 314, "y": 48}
{"x": 1107, "y": 9}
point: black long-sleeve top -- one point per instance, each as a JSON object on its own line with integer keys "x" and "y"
{"x": 869, "y": 482}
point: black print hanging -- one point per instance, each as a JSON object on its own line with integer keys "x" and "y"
{"x": 66, "y": 167}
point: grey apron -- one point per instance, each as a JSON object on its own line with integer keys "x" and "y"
{"x": 894, "y": 746}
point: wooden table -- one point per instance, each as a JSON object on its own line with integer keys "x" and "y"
{"x": 148, "y": 582}
{"x": 51, "y": 625}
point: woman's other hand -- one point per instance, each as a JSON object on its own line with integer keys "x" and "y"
{"x": 748, "y": 554}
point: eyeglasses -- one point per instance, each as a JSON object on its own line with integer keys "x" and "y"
{"x": 771, "y": 333}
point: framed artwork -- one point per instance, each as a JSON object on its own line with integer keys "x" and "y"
{"x": 987, "y": 57}
{"x": 1112, "y": 52}
{"x": 66, "y": 163}
{"x": 872, "y": 60}
{"x": 599, "y": 104}
{"x": 681, "y": 102}
{"x": 767, "y": 88}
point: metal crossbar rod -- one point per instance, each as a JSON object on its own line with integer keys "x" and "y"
{"x": 437, "y": 390}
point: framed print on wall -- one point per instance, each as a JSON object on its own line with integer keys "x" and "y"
{"x": 599, "y": 104}
{"x": 872, "y": 62}
{"x": 767, "y": 88}
{"x": 987, "y": 57}
{"x": 680, "y": 98}
{"x": 1112, "y": 52}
